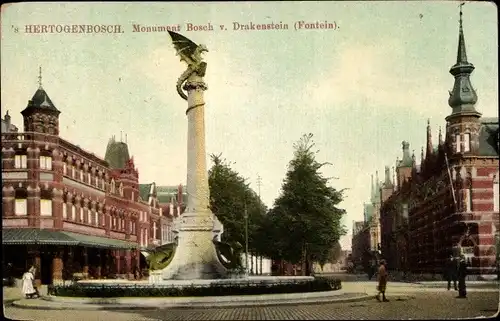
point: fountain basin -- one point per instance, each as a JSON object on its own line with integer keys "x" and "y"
{"x": 254, "y": 285}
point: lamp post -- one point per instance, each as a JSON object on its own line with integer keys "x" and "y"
{"x": 246, "y": 239}
{"x": 259, "y": 183}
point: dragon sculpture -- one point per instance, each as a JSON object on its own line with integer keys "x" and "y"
{"x": 160, "y": 257}
{"x": 229, "y": 254}
{"x": 191, "y": 54}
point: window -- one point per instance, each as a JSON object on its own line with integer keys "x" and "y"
{"x": 97, "y": 180}
{"x": 154, "y": 230}
{"x": 89, "y": 216}
{"x": 458, "y": 142}
{"x": 20, "y": 161}
{"x": 103, "y": 184}
{"x": 496, "y": 196}
{"x": 73, "y": 171}
{"x": 121, "y": 189}
{"x": 467, "y": 142}
{"x": 96, "y": 218}
{"x": 468, "y": 200}
{"x": 81, "y": 214}
{"x": 113, "y": 187}
{"x": 46, "y": 162}
{"x": 65, "y": 211}
{"x": 89, "y": 178}
{"x": 81, "y": 174}
{"x": 65, "y": 169}
{"x": 21, "y": 206}
{"x": 45, "y": 207}
{"x": 73, "y": 212}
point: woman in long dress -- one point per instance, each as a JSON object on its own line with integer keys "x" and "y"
{"x": 28, "y": 280}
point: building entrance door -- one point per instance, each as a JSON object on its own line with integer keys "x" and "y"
{"x": 46, "y": 268}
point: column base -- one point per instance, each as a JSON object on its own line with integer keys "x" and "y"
{"x": 195, "y": 257}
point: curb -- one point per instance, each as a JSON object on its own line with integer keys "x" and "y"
{"x": 116, "y": 307}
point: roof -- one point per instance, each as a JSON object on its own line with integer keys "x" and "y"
{"x": 40, "y": 100}
{"x": 166, "y": 192}
{"x": 144, "y": 191}
{"x": 489, "y": 137}
{"x": 35, "y": 236}
{"x": 13, "y": 236}
{"x": 117, "y": 154}
{"x": 368, "y": 212}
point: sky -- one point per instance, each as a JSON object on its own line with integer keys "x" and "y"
{"x": 360, "y": 89}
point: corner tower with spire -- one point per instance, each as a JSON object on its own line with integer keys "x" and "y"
{"x": 41, "y": 115}
{"x": 463, "y": 123}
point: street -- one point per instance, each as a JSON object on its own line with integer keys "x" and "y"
{"x": 406, "y": 304}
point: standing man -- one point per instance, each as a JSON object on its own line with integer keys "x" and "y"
{"x": 382, "y": 281}
{"x": 451, "y": 270}
{"x": 462, "y": 273}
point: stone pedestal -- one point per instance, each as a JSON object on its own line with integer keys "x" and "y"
{"x": 195, "y": 256}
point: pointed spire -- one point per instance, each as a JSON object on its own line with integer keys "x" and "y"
{"x": 429, "y": 140}
{"x": 422, "y": 157}
{"x": 373, "y": 189}
{"x": 394, "y": 178}
{"x": 440, "y": 137}
{"x": 463, "y": 96}
{"x": 413, "y": 158}
{"x": 387, "y": 181}
{"x": 461, "y": 54}
{"x": 406, "y": 161}
{"x": 40, "y": 77}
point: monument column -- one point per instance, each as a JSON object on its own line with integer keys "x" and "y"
{"x": 196, "y": 256}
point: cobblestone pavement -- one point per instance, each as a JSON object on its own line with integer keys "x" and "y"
{"x": 416, "y": 305}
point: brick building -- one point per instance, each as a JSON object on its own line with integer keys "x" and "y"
{"x": 450, "y": 202}
{"x": 64, "y": 209}
{"x": 361, "y": 239}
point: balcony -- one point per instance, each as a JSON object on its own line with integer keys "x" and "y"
{"x": 28, "y": 136}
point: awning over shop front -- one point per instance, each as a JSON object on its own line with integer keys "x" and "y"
{"x": 102, "y": 242}
{"x": 28, "y": 236}
{"x": 32, "y": 236}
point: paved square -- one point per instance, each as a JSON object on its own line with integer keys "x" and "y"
{"x": 412, "y": 305}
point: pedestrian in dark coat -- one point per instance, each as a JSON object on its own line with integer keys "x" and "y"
{"x": 451, "y": 272}
{"x": 382, "y": 281}
{"x": 462, "y": 273}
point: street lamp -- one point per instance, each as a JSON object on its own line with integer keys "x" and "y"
{"x": 246, "y": 239}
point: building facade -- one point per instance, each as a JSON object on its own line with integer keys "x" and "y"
{"x": 65, "y": 210}
{"x": 361, "y": 243}
{"x": 449, "y": 204}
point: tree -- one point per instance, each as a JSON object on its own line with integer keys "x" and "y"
{"x": 305, "y": 220}
{"x": 230, "y": 195}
